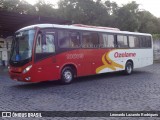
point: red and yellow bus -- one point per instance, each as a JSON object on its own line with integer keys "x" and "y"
{"x": 62, "y": 52}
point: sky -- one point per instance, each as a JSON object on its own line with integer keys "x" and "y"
{"x": 152, "y": 6}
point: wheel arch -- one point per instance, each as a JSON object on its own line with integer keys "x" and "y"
{"x": 130, "y": 60}
{"x": 72, "y": 66}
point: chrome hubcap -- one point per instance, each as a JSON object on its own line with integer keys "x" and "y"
{"x": 68, "y": 76}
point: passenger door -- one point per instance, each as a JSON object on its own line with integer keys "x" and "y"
{"x": 45, "y": 60}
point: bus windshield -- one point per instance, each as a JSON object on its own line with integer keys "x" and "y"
{"x": 22, "y": 45}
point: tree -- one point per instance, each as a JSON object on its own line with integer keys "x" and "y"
{"x": 45, "y": 9}
{"x": 19, "y": 6}
{"x": 148, "y": 23}
{"x": 127, "y": 17}
{"x": 85, "y": 12}
{"x": 112, "y": 9}
{"x": 92, "y": 12}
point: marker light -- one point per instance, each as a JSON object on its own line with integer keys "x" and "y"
{"x": 27, "y": 69}
{"x": 28, "y": 78}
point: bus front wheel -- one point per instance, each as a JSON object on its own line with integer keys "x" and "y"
{"x": 67, "y": 75}
{"x": 128, "y": 68}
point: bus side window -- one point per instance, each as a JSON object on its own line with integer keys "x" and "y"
{"x": 45, "y": 44}
{"x": 49, "y": 43}
{"x": 86, "y": 43}
{"x": 148, "y": 41}
{"x": 134, "y": 42}
{"x": 107, "y": 41}
{"x": 68, "y": 39}
{"x": 122, "y": 41}
{"x": 95, "y": 40}
{"x": 39, "y": 44}
{"x": 145, "y": 41}
{"x": 74, "y": 39}
{"x": 90, "y": 40}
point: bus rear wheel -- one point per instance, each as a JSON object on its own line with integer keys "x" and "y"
{"x": 67, "y": 75}
{"x": 128, "y": 68}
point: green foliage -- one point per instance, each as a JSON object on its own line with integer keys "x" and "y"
{"x": 92, "y": 12}
{"x": 78, "y": 11}
{"x": 148, "y": 22}
{"x": 45, "y": 9}
{"x": 127, "y": 17}
{"x": 156, "y": 36}
{"x": 21, "y": 7}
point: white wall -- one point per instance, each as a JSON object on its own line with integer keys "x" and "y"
{"x": 4, "y": 51}
{"x": 156, "y": 48}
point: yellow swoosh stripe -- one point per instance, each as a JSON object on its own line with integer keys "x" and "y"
{"x": 110, "y": 64}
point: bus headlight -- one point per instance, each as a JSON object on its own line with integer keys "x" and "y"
{"x": 27, "y": 69}
{"x": 8, "y": 67}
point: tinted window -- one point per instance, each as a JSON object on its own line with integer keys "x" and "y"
{"x": 122, "y": 41}
{"x": 149, "y": 42}
{"x": 142, "y": 41}
{"x": 68, "y": 39}
{"x": 145, "y": 42}
{"x": 107, "y": 41}
{"x": 45, "y": 44}
{"x": 90, "y": 40}
{"x": 50, "y": 47}
{"x": 134, "y": 42}
{"x": 39, "y": 44}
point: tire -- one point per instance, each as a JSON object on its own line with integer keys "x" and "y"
{"x": 128, "y": 68}
{"x": 67, "y": 75}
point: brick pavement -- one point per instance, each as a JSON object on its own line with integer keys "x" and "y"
{"x": 108, "y": 92}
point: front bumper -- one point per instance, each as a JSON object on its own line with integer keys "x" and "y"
{"x": 20, "y": 77}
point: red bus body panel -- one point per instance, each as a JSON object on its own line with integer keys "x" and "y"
{"x": 86, "y": 62}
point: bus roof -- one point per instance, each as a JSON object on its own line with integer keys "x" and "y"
{"x": 82, "y": 27}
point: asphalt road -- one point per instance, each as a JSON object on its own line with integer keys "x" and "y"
{"x": 107, "y": 92}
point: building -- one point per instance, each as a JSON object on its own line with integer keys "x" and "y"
{"x": 11, "y": 22}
